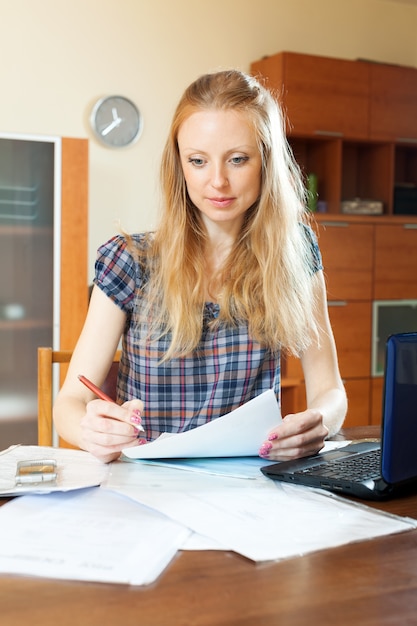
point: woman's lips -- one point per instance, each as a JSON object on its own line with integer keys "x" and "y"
{"x": 221, "y": 202}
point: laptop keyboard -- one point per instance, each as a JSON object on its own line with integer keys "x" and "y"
{"x": 356, "y": 468}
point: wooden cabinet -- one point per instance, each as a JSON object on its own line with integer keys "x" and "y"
{"x": 386, "y": 249}
{"x": 351, "y": 323}
{"x": 321, "y": 95}
{"x": 347, "y": 251}
{"x": 359, "y": 401}
{"x": 393, "y": 102}
{"x": 395, "y": 261}
{"x": 43, "y": 253}
{"x": 354, "y": 125}
{"x": 353, "y": 99}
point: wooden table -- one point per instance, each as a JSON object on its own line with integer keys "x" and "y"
{"x": 371, "y": 582}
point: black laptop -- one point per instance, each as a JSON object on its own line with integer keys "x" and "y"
{"x": 369, "y": 469}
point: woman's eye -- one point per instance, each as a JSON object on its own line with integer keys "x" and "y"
{"x": 198, "y": 162}
{"x": 238, "y": 160}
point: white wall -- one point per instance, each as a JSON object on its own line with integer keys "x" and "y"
{"x": 58, "y": 56}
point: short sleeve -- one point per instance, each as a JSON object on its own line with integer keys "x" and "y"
{"x": 117, "y": 273}
{"x": 315, "y": 254}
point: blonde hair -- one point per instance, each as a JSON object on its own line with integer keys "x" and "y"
{"x": 267, "y": 278}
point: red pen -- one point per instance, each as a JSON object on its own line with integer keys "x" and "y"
{"x": 103, "y": 396}
{"x": 92, "y": 387}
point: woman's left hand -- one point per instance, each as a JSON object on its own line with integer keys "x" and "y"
{"x": 298, "y": 435}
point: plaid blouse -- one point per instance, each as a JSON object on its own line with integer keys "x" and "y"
{"x": 226, "y": 370}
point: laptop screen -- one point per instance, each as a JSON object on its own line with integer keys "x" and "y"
{"x": 399, "y": 434}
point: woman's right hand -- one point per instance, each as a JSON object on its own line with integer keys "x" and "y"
{"x": 107, "y": 428}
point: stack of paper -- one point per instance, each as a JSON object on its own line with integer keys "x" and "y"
{"x": 256, "y": 517}
{"x": 90, "y": 534}
{"x": 128, "y": 529}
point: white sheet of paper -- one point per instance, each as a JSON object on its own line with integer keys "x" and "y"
{"x": 77, "y": 469}
{"x": 239, "y": 433}
{"x": 89, "y": 535}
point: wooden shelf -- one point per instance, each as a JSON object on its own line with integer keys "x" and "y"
{"x": 24, "y": 230}
{"x": 25, "y": 324}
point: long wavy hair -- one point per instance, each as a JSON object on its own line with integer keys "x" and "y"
{"x": 266, "y": 280}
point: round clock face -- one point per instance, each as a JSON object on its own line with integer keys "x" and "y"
{"x": 116, "y": 121}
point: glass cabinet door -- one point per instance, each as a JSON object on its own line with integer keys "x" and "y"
{"x": 26, "y": 284}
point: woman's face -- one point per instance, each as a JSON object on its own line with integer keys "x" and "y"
{"x": 221, "y": 164}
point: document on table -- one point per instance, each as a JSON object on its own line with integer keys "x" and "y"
{"x": 234, "y": 467}
{"x": 76, "y": 469}
{"x": 260, "y": 519}
{"x": 90, "y": 534}
{"x": 239, "y": 433}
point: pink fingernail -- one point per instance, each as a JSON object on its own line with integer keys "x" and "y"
{"x": 135, "y": 418}
{"x": 272, "y": 437}
{"x": 265, "y": 449}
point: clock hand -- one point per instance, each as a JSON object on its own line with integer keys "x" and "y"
{"x": 111, "y": 126}
{"x": 114, "y": 113}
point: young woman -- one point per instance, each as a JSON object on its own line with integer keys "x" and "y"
{"x": 205, "y": 305}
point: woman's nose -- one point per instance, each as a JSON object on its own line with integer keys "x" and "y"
{"x": 219, "y": 177}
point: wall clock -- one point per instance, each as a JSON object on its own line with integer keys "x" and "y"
{"x": 116, "y": 121}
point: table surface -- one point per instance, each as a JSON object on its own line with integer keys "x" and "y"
{"x": 371, "y": 582}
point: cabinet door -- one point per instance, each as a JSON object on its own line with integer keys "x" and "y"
{"x": 358, "y": 393}
{"x": 43, "y": 209}
{"x": 393, "y": 102}
{"x": 347, "y": 251}
{"x": 395, "y": 261}
{"x": 320, "y": 94}
{"x": 27, "y": 266}
{"x": 351, "y": 323}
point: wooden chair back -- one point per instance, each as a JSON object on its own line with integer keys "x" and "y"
{"x": 46, "y": 360}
